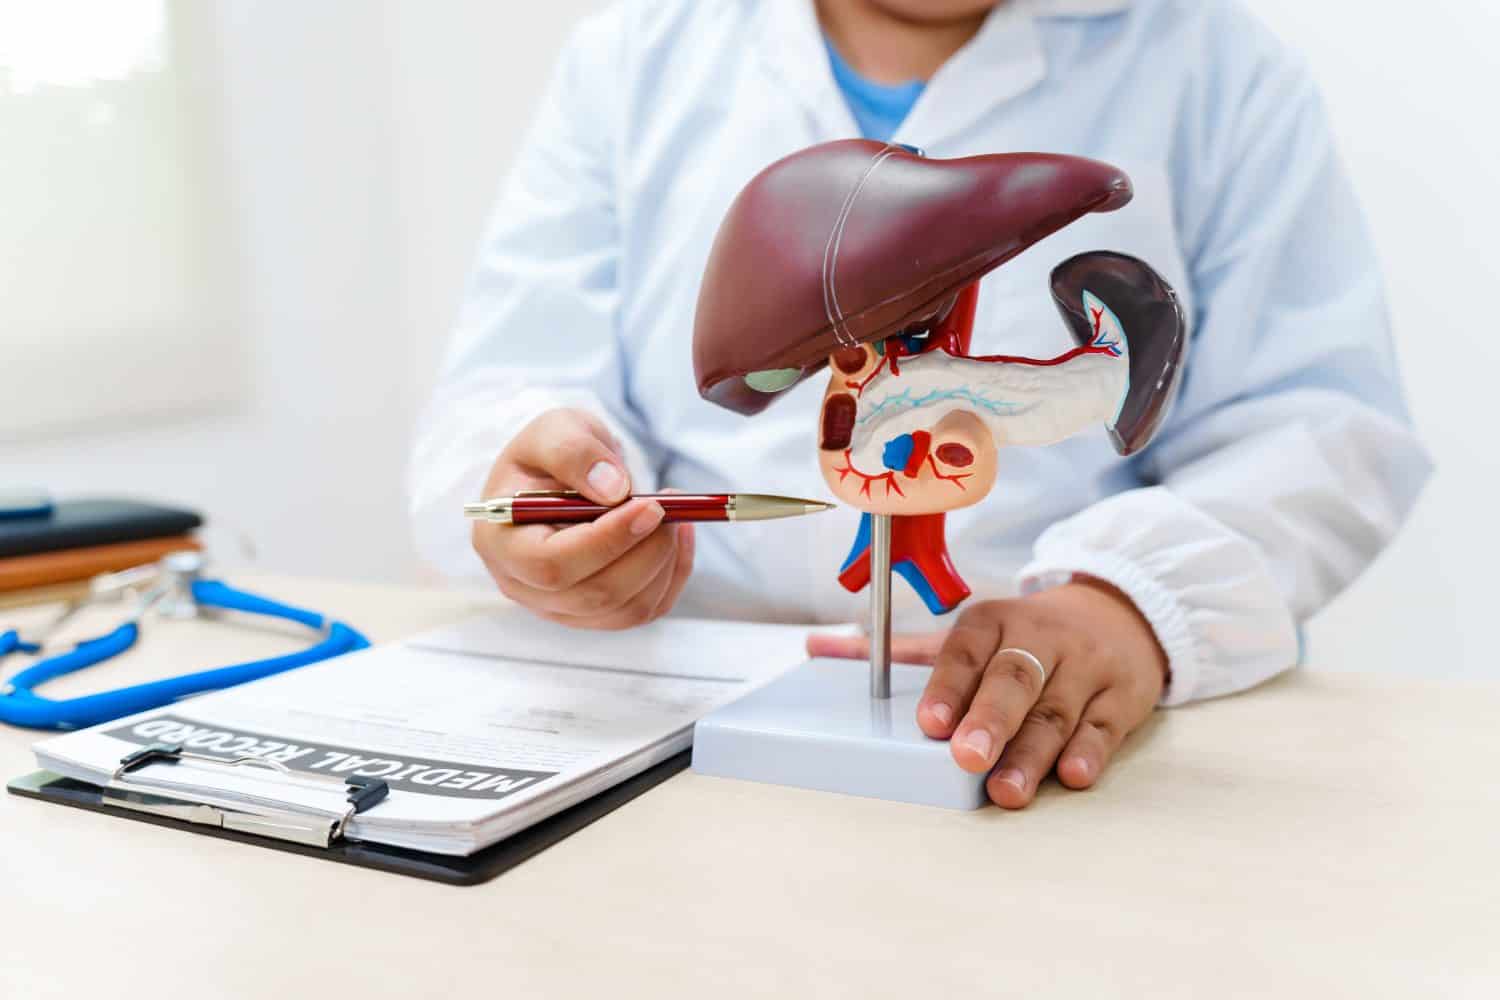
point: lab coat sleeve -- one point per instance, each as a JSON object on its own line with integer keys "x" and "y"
{"x": 1288, "y": 461}
{"x": 537, "y": 329}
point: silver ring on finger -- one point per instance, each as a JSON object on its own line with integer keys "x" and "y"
{"x": 1029, "y": 657}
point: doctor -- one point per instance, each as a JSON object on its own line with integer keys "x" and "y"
{"x": 1182, "y": 573}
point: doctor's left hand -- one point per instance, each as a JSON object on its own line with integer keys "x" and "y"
{"x": 1105, "y": 673}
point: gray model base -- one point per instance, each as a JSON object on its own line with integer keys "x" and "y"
{"x": 817, "y": 727}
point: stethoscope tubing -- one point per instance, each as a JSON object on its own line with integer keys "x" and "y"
{"x": 22, "y": 706}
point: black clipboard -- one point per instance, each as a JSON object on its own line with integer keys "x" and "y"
{"x": 472, "y": 869}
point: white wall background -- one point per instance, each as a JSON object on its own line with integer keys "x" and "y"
{"x": 1412, "y": 91}
{"x": 366, "y": 141}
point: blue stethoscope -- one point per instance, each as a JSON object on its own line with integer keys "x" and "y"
{"x": 175, "y": 588}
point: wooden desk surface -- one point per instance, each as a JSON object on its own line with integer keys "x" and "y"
{"x": 1326, "y": 835}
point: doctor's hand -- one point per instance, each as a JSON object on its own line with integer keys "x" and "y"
{"x": 1105, "y": 672}
{"x": 627, "y": 568}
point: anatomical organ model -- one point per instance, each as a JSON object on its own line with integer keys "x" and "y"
{"x": 866, "y": 257}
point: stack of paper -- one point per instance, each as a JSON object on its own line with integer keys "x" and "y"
{"x": 480, "y": 729}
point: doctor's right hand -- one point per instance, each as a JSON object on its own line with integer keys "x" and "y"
{"x": 627, "y": 568}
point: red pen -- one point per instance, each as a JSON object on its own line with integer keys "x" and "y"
{"x": 568, "y": 507}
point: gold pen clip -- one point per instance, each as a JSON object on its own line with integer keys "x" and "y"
{"x": 548, "y": 493}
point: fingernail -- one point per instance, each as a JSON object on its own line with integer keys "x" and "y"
{"x": 941, "y": 711}
{"x": 606, "y": 480}
{"x": 1011, "y": 776}
{"x": 1082, "y": 766}
{"x": 979, "y": 741}
{"x": 647, "y": 519}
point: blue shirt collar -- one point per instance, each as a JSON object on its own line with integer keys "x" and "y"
{"x": 1005, "y": 60}
{"x": 878, "y": 108}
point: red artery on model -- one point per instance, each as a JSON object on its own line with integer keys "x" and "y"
{"x": 919, "y": 542}
{"x": 919, "y": 553}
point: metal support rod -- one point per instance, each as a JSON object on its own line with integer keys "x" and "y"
{"x": 880, "y": 605}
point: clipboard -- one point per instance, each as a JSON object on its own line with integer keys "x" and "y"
{"x": 481, "y": 866}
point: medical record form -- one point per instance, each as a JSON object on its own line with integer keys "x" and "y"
{"x": 479, "y": 729}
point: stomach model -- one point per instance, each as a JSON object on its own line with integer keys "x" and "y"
{"x": 912, "y": 426}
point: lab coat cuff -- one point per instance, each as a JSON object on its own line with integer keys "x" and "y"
{"x": 1166, "y": 615}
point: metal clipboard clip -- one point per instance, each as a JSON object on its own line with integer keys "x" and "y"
{"x": 285, "y": 824}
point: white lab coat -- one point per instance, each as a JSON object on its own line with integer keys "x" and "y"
{"x": 1286, "y": 464}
